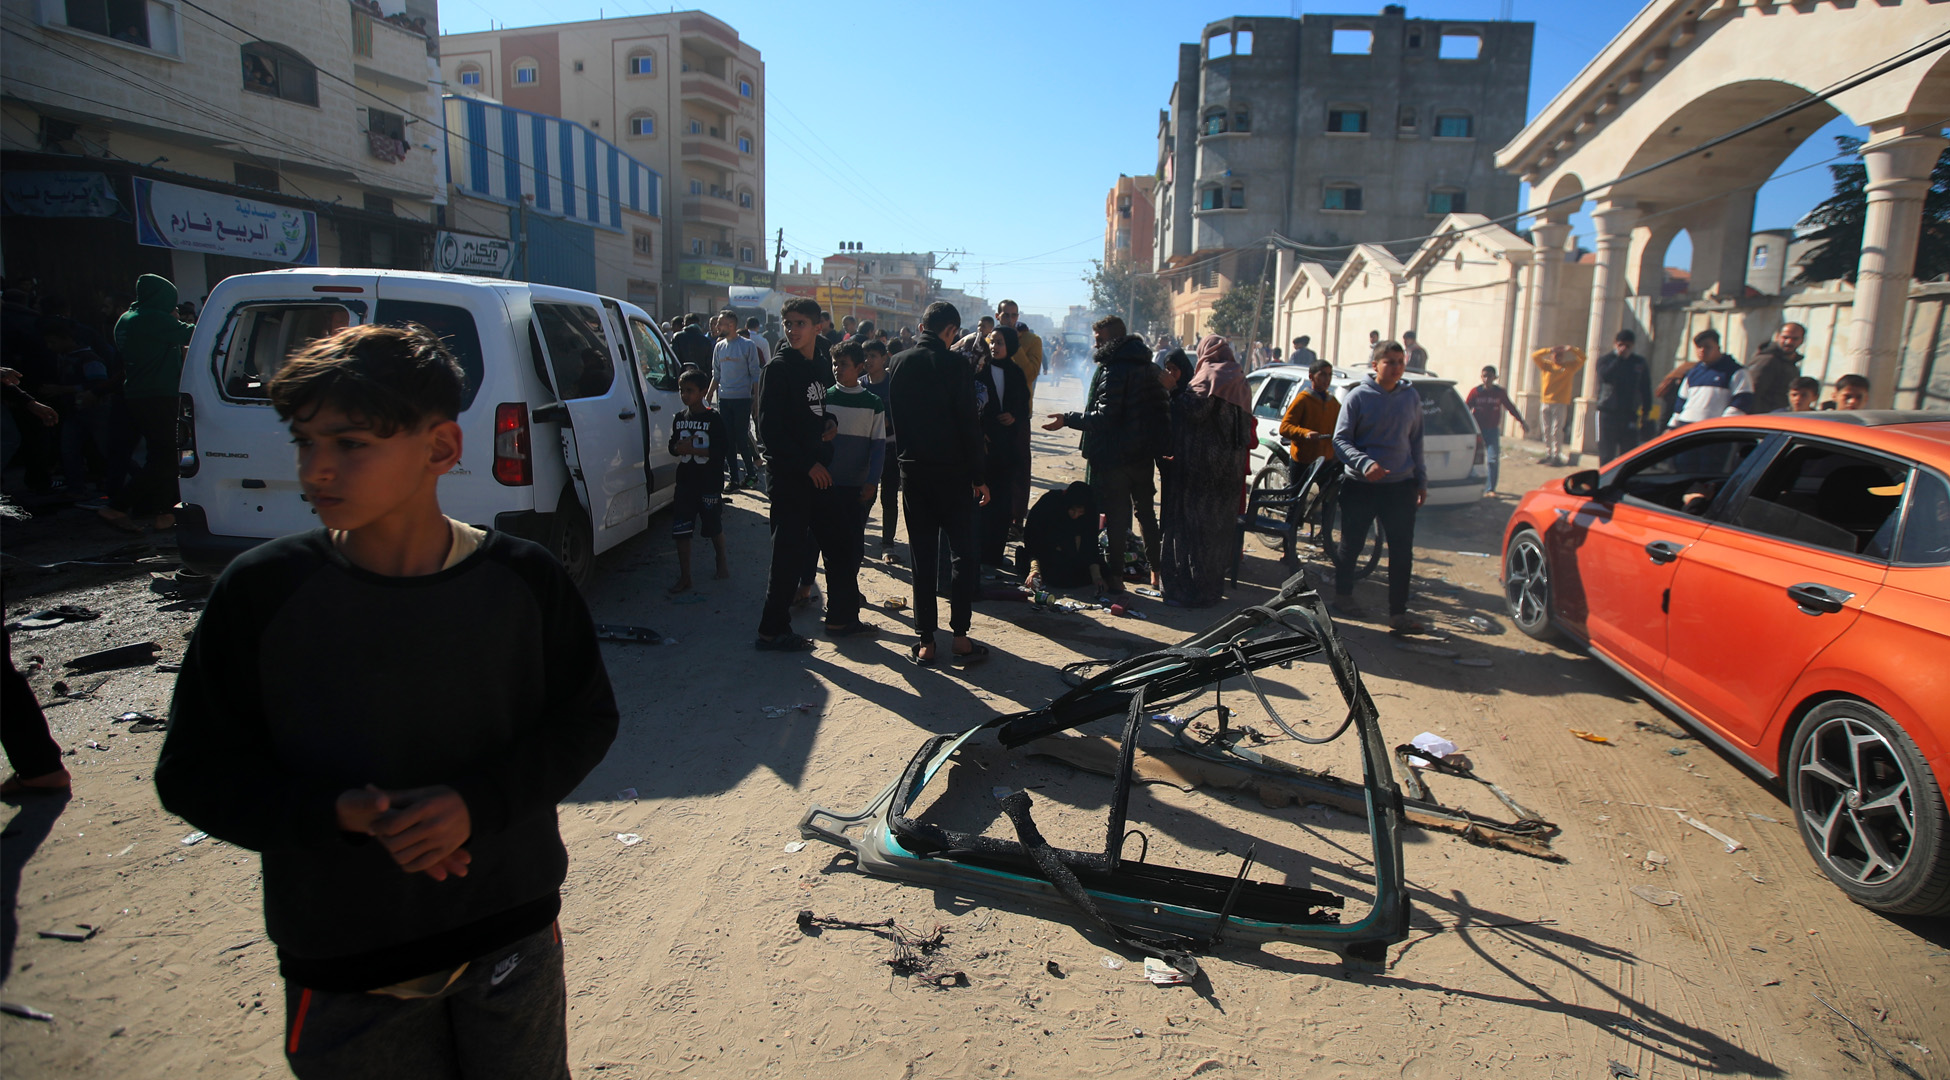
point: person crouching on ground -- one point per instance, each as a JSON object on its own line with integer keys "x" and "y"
{"x": 698, "y": 439}
{"x": 1060, "y": 540}
{"x": 1379, "y": 440}
{"x": 388, "y": 709}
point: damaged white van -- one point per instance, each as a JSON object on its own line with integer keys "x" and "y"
{"x": 565, "y": 413}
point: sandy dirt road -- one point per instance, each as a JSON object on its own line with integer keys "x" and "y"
{"x": 683, "y": 952}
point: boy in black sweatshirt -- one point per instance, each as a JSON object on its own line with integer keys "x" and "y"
{"x": 797, "y": 440}
{"x": 388, "y": 709}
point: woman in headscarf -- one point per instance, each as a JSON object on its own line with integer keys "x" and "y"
{"x": 1002, "y": 393}
{"x": 1204, "y": 477}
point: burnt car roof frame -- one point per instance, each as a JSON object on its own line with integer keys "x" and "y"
{"x": 1135, "y": 899}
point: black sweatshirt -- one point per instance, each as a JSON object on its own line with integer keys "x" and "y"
{"x": 931, "y": 399}
{"x": 791, "y": 415}
{"x": 308, "y": 676}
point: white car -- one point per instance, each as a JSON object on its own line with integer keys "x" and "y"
{"x": 565, "y": 414}
{"x": 1452, "y": 449}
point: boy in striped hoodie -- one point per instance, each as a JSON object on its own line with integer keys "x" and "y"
{"x": 859, "y": 455}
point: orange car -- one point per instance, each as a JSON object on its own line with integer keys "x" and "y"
{"x": 1782, "y": 584}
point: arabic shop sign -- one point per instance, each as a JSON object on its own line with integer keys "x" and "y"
{"x": 465, "y": 253}
{"x": 62, "y": 194}
{"x": 187, "y": 219}
{"x": 712, "y": 273}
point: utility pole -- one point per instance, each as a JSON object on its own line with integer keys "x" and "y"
{"x": 778, "y": 256}
{"x": 1258, "y": 298}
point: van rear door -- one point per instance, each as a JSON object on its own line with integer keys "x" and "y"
{"x": 604, "y": 432}
{"x": 246, "y": 476}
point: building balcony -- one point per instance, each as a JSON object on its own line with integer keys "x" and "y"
{"x": 705, "y": 151}
{"x": 388, "y": 54}
{"x": 706, "y": 209}
{"x": 708, "y": 89}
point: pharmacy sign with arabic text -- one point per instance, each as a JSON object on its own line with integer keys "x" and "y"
{"x": 189, "y": 219}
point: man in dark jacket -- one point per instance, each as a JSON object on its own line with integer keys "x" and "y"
{"x": 1774, "y": 366}
{"x": 150, "y": 339}
{"x": 1624, "y": 394}
{"x": 931, "y": 402}
{"x": 1125, "y": 425}
{"x": 692, "y": 345}
{"x": 795, "y": 437}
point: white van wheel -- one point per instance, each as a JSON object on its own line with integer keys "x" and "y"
{"x": 572, "y": 541}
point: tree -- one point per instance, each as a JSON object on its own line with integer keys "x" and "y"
{"x": 1129, "y": 293}
{"x": 1232, "y": 315}
{"x": 1836, "y": 222}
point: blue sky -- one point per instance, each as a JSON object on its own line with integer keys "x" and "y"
{"x": 998, "y": 130}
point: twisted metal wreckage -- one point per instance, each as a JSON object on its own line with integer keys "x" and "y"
{"x": 1163, "y": 911}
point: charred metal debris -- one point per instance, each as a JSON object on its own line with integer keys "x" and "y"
{"x": 1163, "y": 911}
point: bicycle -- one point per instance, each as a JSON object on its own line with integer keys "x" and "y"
{"x": 1282, "y": 513}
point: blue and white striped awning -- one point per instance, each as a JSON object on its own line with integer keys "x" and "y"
{"x": 501, "y": 153}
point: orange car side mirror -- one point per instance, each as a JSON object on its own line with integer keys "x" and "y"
{"x": 1583, "y": 484}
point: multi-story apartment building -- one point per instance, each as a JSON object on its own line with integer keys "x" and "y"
{"x": 1328, "y": 130}
{"x": 1129, "y": 220}
{"x": 890, "y": 287}
{"x": 152, "y": 138}
{"x": 679, "y": 93}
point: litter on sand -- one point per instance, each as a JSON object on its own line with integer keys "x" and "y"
{"x": 894, "y": 603}
{"x": 196, "y": 837}
{"x": 136, "y": 655}
{"x": 773, "y": 712}
{"x": 795, "y": 847}
{"x": 1589, "y": 737}
{"x": 1163, "y": 974}
{"x": 1732, "y": 844}
{"x": 639, "y": 634}
{"x": 26, "y": 1012}
{"x": 628, "y": 839}
{"x": 1112, "y": 962}
{"x": 55, "y": 616}
{"x": 1431, "y": 744}
{"x": 83, "y": 934}
{"x": 627, "y": 793}
{"x": 1474, "y": 554}
{"x": 1660, "y": 729}
{"x": 1676, "y": 751}
{"x": 140, "y": 722}
{"x": 1655, "y": 897}
{"x": 1621, "y": 1071}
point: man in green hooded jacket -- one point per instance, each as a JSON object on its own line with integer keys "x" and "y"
{"x": 150, "y": 339}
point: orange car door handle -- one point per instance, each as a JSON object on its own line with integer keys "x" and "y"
{"x": 1663, "y": 551}
{"x": 1817, "y": 599}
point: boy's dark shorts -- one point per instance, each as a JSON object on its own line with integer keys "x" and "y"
{"x": 693, "y": 510}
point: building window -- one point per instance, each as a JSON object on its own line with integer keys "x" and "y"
{"x": 1460, "y": 45}
{"x": 745, "y": 199}
{"x": 695, "y": 128}
{"x": 1123, "y": 240}
{"x": 697, "y": 187}
{"x": 378, "y": 204}
{"x": 470, "y": 76}
{"x": 1405, "y": 120}
{"x": 1242, "y": 118}
{"x": 643, "y": 63}
{"x": 1242, "y": 42}
{"x": 745, "y": 254}
{"x": 643, "y": 124}
{"x": 1236, "y": 197}
{"x": 744, "y": 88}
{"x": 275, "y": 71}
{"x": 527, "y": 72}
{"x": 1347, "y": 121}
{"x": 1454, "y": 126}
{"x": 1341, "y": 197}
{"x": 1215, "y": 122}
{"x": 1219, "y": 45}
{"x": 1447, "y": 201}
{"x": 145, "y": 24}
{"x": 697, "y": 246}
{"x": 1353, "y": 41}
{"x": 386, "y": 135}
{"x": 252, "y": 176}
{"x": 1211, "y": 199}
{"x": 1760, "y": 257}
{"x": 744, "y": 144}
{"x": 642, "y": 243}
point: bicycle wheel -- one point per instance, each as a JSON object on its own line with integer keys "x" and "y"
{"x": 1365, "y": 560}
{"x": 1269, "y": 510}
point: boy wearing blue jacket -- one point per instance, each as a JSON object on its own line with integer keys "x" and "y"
{"x": 859, "y": 456}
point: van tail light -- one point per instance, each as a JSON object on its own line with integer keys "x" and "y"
{"x": 186, "y": 460}
{"x": 1479, "y": 451}
{"x": 513, "y": 464}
